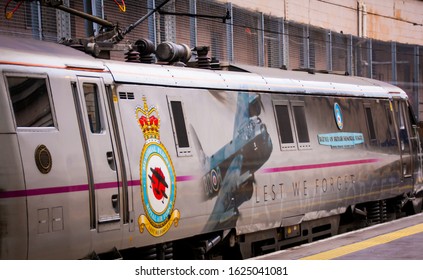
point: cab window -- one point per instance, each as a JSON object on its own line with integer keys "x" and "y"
{"x": 30, "y": 100}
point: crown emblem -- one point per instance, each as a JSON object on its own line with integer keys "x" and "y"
{"x": 148, "y": 120}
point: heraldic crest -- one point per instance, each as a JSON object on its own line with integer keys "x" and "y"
{"x": 157, "y": 176}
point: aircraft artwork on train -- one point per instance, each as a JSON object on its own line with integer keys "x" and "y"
{"x": 230, "y": 170}
{"x": 109, "y": 159}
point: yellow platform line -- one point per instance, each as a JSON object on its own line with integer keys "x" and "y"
{"x": 382, "y": 239}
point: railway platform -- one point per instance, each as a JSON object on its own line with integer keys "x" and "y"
{"x": 396, "y": 240}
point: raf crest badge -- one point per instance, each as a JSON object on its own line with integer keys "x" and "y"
{"x": 157, "y": 176}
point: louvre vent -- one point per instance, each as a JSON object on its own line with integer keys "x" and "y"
{"x": 122, "y": 95}
{"x": 126, "y": 95}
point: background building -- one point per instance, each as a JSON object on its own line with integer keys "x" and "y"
{"x": 369, "y": 38}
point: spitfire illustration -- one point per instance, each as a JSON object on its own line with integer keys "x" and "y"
{"x": 229, "y": 172}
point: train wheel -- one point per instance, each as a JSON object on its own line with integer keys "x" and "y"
{"x": 417, "y": 205}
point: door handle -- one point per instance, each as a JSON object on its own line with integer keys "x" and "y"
{"x": 111, "y": 160}
{"x": 115, "y": 202}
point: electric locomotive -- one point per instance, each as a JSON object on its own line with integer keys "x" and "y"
{"x": 108, "y": 159}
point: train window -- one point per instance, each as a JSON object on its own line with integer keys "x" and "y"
{"x": 30, "y": 101}
{"x": 370, "y": 124}
{"x": 292, "y": 125}
{"x": 402, "y": 125}
{"x": 391, "y": 127}
{"x": 301, "y": 126}
{"x": 179, "y": 128}
{"x": 284, "y": 124}
{"x": 93, "y": 107}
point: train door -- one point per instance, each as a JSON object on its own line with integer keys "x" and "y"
{"x": 404, "y": 129}
{"x": 95, "y": 127}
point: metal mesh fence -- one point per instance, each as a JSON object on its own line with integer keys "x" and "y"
{"x": 273, "y": 42}
{"x": 246, "y": 34}
{"x": 134, "y": 10}
{"x": 183, "y": 33}
{"x": 296, "y": 45}
{"x": 405, "y": 71}
{"x": 212, "y": 32}
{"x": 319, "y": 49}
{"x": 361, "y": 60}
{"x": 248, "y": 37}
{"x": 31, "y": 21}
{"x": 339, "y": 46}
{"x": 382, "y": 61}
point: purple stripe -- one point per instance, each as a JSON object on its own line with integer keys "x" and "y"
{"x": 185, "y": 178}
{"x": 316, "y": 166}
{"x": 10, "y": 194}
{"x": 43, "y": 191}
{"x": 134, "y": 183}
{"x": 76, "y": 188}
{"x": 108, "y": 185}
{"x": 55, "y": 190}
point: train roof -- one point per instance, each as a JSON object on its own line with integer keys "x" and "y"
{"x": 314, "y": 82}
{"x": 254, "y": 78}
{"x": 30, "y": 52}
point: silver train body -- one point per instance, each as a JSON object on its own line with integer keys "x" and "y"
{"x": 103, "y": 158}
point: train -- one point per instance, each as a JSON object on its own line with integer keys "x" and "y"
{"x": 103, "y": 159}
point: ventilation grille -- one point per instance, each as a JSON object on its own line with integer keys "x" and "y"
{"x": 126, "y": 95}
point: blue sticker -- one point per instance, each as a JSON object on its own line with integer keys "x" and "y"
{"x": 338, "y": 116}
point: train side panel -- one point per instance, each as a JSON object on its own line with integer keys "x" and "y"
{"x": 180, "y": 209}
{"x": 68, "y": 217}
{"x": 13, "y": 218}
{"x": 322, "y": 169}
{"x": 220, "y": 186}
{"x": 199, "y": 161}
{"x": 53, "y": 164}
